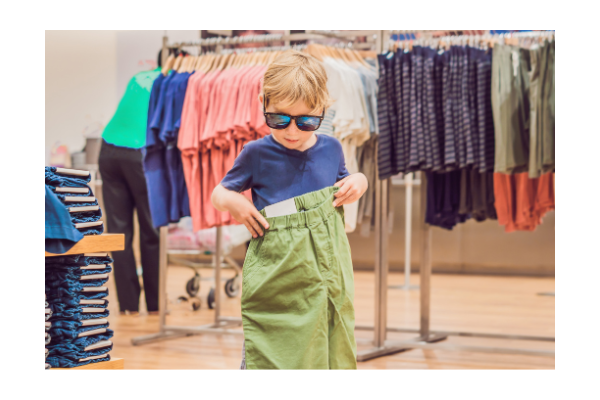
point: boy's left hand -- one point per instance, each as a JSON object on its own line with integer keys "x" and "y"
{"x": 351, "y": 189}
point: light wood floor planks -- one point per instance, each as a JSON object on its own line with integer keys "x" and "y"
{"x": 486, "y": 304}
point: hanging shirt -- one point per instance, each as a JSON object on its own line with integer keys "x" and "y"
{"x": 275, "y": 173}
{"x": 127, "y": 128}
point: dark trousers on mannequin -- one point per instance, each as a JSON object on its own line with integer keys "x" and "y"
{"x": 124, "y": 189}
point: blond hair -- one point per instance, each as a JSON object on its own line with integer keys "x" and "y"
{"x": 295, "y": 76}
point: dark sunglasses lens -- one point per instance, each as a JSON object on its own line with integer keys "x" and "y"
{"x": 308, "y": 123}
{"x": 277, "y": 121}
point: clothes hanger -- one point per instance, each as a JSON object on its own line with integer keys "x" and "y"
{"x": 178, "y": 62}
{"x": 168, "y": 64}
{"x": 313, "y": 51}
{"x": 273, "y": 56}
{"x": 185, "y": 63}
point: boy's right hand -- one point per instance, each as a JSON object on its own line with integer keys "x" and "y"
{"x": 244, "y": 212}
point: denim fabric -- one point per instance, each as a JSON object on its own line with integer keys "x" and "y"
{"x": 93, "y": 230}
{"x": 63, "y": 181}
{"x": 79, "y": 259}
{"x": 75, "y": 301}
{"x": 86, "y": 216}
{"x": 54, "y": 274}
{"x": 76, "y": 353}
{"x": 62, "y": 362}
{"x": 62, "y": 197}
{"x": 70, "y": 330}
{"x": 52, "y": 171}
{"x": 75, "y": 314}
{"x": 60, "y": 234}
{"x": 70, "y": 282}
{"x": 81, "y": 343}
{"x": 76, "y": 270}
{"x": 61, "y": 307}
{"x": 60, "y": 293}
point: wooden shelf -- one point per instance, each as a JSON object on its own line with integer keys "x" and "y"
{"x": 96, "y": 244}
{"x": 115, "y": 363}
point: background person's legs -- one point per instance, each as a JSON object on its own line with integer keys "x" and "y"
{"x": 149, "y": 235}
{"x": 119, "y": 204}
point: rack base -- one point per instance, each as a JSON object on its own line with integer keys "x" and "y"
{"x": 397, "y": 347}
{"x": 223, "y": 326}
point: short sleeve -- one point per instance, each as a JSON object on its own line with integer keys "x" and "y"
{"x": 342, "y": 170}
{"x": 239, "y": 177}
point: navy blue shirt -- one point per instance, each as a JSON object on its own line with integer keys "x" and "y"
{"x": 276, "y": 173}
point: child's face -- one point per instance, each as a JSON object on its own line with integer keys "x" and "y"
{"x": 292, "y": 137}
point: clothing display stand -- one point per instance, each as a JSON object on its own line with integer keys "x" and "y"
{"x": 221, "y": 324}
{"x": 408, "y": 183}
{"x": 427, "y": 337}
{"x": 96, "y": 244}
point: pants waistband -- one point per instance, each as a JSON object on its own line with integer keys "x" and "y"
{"x": 312, "y": 207}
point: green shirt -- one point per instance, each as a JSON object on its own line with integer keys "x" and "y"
{"x": 127, "y": 128}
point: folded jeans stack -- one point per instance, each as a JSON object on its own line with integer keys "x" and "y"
{"x": 77, "y": 300}
{"x": 72, "y": 189}
{"x": 48, "y": 337}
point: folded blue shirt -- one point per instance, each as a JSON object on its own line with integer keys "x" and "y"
{"x": 61, "y": 234}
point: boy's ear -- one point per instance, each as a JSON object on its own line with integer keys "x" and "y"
{"x": 261, "y": 97}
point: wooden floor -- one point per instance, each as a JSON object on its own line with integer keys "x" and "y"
{"x": 509, "y": 305}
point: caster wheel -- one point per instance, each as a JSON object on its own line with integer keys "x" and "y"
{"x": 196, "y": 304}
{"x": 193, "y": 286}
{"x": 211, "y": 299}
{"x": 182, "y": 299}
{"x": 232, "y": 287}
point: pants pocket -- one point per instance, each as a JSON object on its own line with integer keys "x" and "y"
{"x": 252, "y": 260}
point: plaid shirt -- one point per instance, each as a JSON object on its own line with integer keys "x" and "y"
{"x": 484, "y": 111}
{"x": 385, "y": 159}
{"x": 431, "y": 111}
{"x": 406, "y": 88}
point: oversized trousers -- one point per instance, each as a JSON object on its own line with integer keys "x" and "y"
{"x": 298, "y": 290}
{"x": 124, "y": 189}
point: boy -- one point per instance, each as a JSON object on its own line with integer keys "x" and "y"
{"x": 298, "y": 284}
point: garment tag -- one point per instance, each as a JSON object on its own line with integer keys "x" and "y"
{"x": 282, "y": 208}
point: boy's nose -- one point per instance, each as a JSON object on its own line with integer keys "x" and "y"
{"x": 292, "y": 129}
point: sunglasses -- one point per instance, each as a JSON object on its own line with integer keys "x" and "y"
{"x": 307, "y": 123}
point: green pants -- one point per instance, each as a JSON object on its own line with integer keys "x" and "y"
{"x": 298, "y": 290}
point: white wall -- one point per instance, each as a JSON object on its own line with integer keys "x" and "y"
{"x": 138, "y": 51}
{"x": 81, "y": 69}
{"x": 87, "y": 73}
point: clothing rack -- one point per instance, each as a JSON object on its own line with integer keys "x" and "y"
{"x": 426, "y": 338}
{"x": 221, "y": 325}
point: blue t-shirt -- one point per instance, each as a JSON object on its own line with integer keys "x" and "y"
{"x": 275, "y": 173}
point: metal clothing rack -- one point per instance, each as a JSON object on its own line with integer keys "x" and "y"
{"x": 221, "y": 324}
{"x": 426, "y": 338}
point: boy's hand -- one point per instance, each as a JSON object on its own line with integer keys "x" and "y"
{"x": 351, "y": 189}
{"x": 243, "y": 211}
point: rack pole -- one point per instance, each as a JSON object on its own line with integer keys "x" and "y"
{"x": 381, "y": 258}
{"x": 217, "y": 263}
{"x": 408, "y": 184}
{"x": 162, "y": 278}
{"x": 425, "y": 271}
